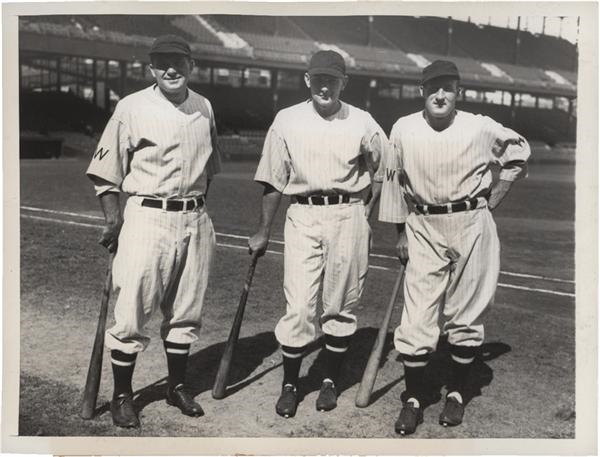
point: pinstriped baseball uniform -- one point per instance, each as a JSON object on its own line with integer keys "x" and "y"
{"x": 454, "y": 259}
{"x": 150, "y": 148}
{"x": 305, "y": 154}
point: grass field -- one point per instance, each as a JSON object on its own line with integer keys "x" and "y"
{"x": 523, "y": 385}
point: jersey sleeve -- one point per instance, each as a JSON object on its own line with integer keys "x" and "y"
{"x": 274, "y": 166}
{"x": 110, "y": 160}
{"x": 392, "y": 204}
{"x": 373, "y": 145}
{"x": 213, "y": 165}
{"x": 510, "y": 150}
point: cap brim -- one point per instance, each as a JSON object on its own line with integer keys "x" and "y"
{"x": 169, "y": 51}
{"x": 326, "y": 71}
{"x": 442, "y": 75}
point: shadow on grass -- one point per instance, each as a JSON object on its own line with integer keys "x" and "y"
{"x": 353, "y": 367}
{"x": 481, "y": 375}
{"x": 202, "y": 369}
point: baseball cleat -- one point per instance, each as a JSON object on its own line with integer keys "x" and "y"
{"x": 288, "y": 401}
{"x": 453, "y": 412}
{"x": 327, "y": 399}
{"x": 123, "y": 412}
{"x": 410, "y": 416}
{"x": 180, "y": 398}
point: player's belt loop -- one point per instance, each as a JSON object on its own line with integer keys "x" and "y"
{"x": 449, "y": 206}
{"x": 164, "y": 204}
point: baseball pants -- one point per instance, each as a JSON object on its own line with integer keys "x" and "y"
{"x": 163, "y": 261}
{"x": 453, "y": 268}
{"x": 329, "y": 246}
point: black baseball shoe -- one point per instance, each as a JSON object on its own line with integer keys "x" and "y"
{"x": 288, "y": 401}
{"x": 410, "y": 416}
{"x": 453, "y": 412}
{"x": 327, "y": 399}
{"x": 123, "y": 412}
{"x": 182, "y": 399}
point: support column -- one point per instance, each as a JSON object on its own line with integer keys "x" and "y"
{"x": 571, "y": 121}
{"x": 122, "y": 78}
{"x": 58, "y": 74}
{"x": 94, "y": 83}
{"x": 274, "y": 88}
{"x": 513, "y": 110}
{"x": 106, "y": 86}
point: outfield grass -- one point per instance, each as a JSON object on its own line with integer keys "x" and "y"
{"x": 523, "y": 385}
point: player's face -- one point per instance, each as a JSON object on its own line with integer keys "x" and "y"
{"x": 325, "y": 90}
{"x": 171, "y": 71}
{"x": 440, "y": 96}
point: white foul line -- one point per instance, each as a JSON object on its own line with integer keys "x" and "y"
{"x": 242, "y": 237}
{"x": 244, "y": 248}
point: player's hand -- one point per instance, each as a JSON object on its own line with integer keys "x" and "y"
{"x": 258, "y": 243}
{"x": 402, "y": 247}
{"x": 110, "y": 236}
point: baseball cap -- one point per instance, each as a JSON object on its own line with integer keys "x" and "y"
{"x": 327, "y": 63}
{"x": 439, "y": 68}
{"x": 170, "y": 44}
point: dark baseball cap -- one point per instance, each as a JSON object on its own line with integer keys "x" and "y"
{"x": 170, "y": 44}
{"x": 327, "y": 63}
{"x": 439, "y": 68}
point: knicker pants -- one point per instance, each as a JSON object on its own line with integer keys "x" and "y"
{"x": 326, "y": 245}
{"x": 163, "y": 261}
{"x": 453, "y": 267}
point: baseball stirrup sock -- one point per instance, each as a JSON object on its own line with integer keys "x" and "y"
{"x": 177, "y": 356}
{"x": 122, "y": 367}
{"x": 333, "y": 356}
{"x": 462, "y": 361}
{"x": 414, "y": 370}
{"x": 292, "y": 360}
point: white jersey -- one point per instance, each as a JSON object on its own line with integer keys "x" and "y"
{"x": 152, "y": 148}
{"x": 429, "y": 167}
{"x": 306, "y": 154}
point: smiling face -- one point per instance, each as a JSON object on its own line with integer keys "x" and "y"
{"x": 440, "y": 96}
{"x": 325, "y": 91}
{"x": 171, "y": 72}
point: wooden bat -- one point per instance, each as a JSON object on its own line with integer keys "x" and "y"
{"x": 92, "y": 382}
{"x": 220, "y": 385}
{"x": 365, "y": 388}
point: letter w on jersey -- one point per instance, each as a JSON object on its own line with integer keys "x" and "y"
{"x": 100, "y": 153}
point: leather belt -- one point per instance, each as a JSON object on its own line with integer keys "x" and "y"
{"x": 448, "y": 208}
{"x": 188, "y": 204}
{"x": 322, "y": 199}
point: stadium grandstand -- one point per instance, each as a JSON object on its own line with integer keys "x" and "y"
{"x": 73, "y": 69}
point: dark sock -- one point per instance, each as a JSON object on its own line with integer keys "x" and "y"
{"x": 122, "y": 367}
{"x": 177, "y": 356}
{"x": 292, "y": 360}
{"x": 461, "y": 362}
{"x": 414, "y": 370}
{"x": 333, "y": 356}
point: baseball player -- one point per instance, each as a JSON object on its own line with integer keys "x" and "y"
{"x": 159, "y": 148}
{"x": 322, "y": 153}
{"x": 438, "y": 189}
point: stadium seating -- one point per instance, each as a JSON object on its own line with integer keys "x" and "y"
{"x": 192, "y": 27}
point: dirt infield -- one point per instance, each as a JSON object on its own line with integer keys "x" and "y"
{"x": 523, "y": 385}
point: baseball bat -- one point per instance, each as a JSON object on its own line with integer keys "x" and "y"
{"x": 220, "y": 385}
{"x": 92, "y": 382}
{"x": 367, "y": 382}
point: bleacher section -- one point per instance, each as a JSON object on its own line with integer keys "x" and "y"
{"x": 390, "y": 48}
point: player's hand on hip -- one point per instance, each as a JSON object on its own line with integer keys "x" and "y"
{"x": 402, "y": 247}
{"x": 258, "y": 243}
{"x": 110, "y": 236}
